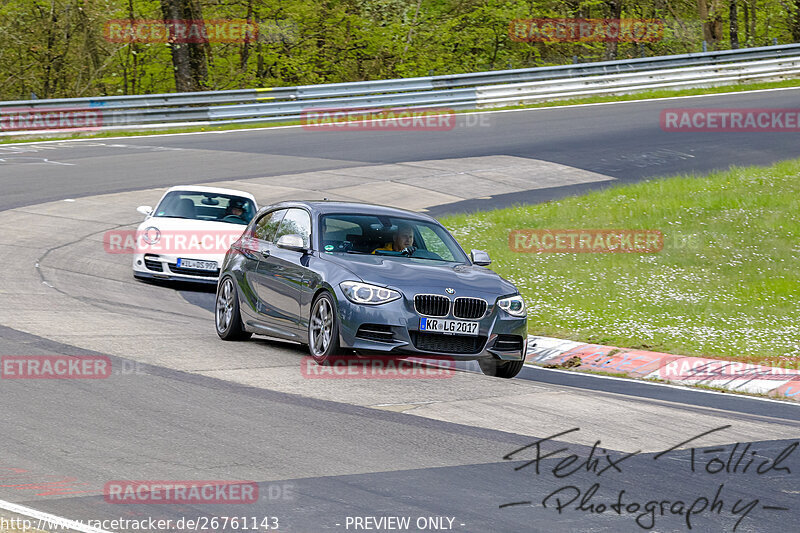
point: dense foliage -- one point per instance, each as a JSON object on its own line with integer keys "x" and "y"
{"x": 60, "y": 48}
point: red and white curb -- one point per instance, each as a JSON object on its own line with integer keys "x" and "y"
{"x": 678, "y": 369}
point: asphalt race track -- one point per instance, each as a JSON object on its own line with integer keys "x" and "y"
{"x": 621, "y": 140}
{"x": 455, "y": 454}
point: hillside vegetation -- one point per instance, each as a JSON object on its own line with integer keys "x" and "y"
{"x": 63, "y": 48}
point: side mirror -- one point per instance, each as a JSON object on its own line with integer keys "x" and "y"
{"x": 292, "y": 242}
{"x": 480, "y": 258}
{"x": 146, "y": 210}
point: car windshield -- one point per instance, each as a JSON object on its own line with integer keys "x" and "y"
{"x": 403, "y": 238}
{"x": 215, "y": 207}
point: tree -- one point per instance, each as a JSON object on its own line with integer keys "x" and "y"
{"x": 615, "y": 7}
{"x": 188, "y": 58}
{"x": 712, "y": 21}
{"x": 794, "y": 21}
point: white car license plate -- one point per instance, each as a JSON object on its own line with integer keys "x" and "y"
{"x": 450, "y": 327}
{"x": 197, "y": 265}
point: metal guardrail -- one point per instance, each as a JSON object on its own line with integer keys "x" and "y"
{"x": 705, "y": 76}
{"x": 459, "y": 91}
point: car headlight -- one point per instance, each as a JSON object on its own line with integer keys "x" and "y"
{"x": 513, "y": 305}
{"x": 151, "y": 235}
{"x": 364, "y": 293}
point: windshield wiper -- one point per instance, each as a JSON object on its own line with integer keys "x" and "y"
{"x": 174, "y": 216}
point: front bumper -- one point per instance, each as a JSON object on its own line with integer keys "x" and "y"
{"x": 164, "y": 267}
{"x": 393, "y": 329}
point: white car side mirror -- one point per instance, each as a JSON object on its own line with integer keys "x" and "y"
{"x": 146, "y": 210}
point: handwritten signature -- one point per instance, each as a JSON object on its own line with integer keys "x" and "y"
{"x": 728, "y": 459}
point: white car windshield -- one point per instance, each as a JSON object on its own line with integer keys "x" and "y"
{"x": 197, "y": 205}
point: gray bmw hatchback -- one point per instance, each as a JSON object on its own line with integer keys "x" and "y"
{"x": 340, "y": 276}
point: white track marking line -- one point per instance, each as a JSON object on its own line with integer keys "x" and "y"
{"x": 47, "y": 520}
{"x": 270, "y": 128}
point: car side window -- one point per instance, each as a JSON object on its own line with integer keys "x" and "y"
{"x": 268, "y": 224}
{"x": 433, "y": 243}
{"x": 296, "y": 222}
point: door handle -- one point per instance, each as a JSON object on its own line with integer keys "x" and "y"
{"x": 264, "y": 253}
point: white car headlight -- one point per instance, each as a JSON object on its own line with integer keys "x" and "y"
{"x": 513, "y": 305}
{"x": 151, "y": 235}
{"x": 364, "y": 293}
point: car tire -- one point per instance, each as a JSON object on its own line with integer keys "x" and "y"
{"x": 227, "y": 319}
{"x": 323, "y": 329}
{"x": 500, "y": 369}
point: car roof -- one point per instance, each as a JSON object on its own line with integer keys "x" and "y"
{"x": 215, "y": 190}
{"x": 351, "y": 208}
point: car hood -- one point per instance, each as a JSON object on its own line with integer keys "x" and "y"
{"x": 415, "y": 276}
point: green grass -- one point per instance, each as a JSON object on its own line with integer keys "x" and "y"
{"x": 726, "y": 283}
{"x": 555, "y": 103}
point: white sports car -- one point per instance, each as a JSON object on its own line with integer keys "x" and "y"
{"x": 188, "y": 233}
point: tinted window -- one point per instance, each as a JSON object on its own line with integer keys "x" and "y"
{"x": 268, "y": 224}
{"x": 339, "y": 229}
{"x": 389, "y": 236}
{"x": 431, "y": 241}
{"x": 296, "y": 222}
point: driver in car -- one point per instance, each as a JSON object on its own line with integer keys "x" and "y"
{"x": 403, "y": 240}
{"x": 235, "y": 209}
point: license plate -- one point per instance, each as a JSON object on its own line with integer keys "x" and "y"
{"x": 197, "y": 265}
{"x": 449, "y": 327}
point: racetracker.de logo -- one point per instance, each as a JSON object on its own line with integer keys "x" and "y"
{"x": 180, "y": 31}
{"x": 155, "y": 241}
{"x": 25, "y": 118}
{"x": 700, "y": 369}
{"x": 726, "y": 120}
{"x": 586, "y": 30}
{"x": 354, "y": 367}
{"x": 585, "y": 241}
{"x": 180, "y": 492}
{"x": 378, "y": 119}
{"x": 55, "y": 367}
